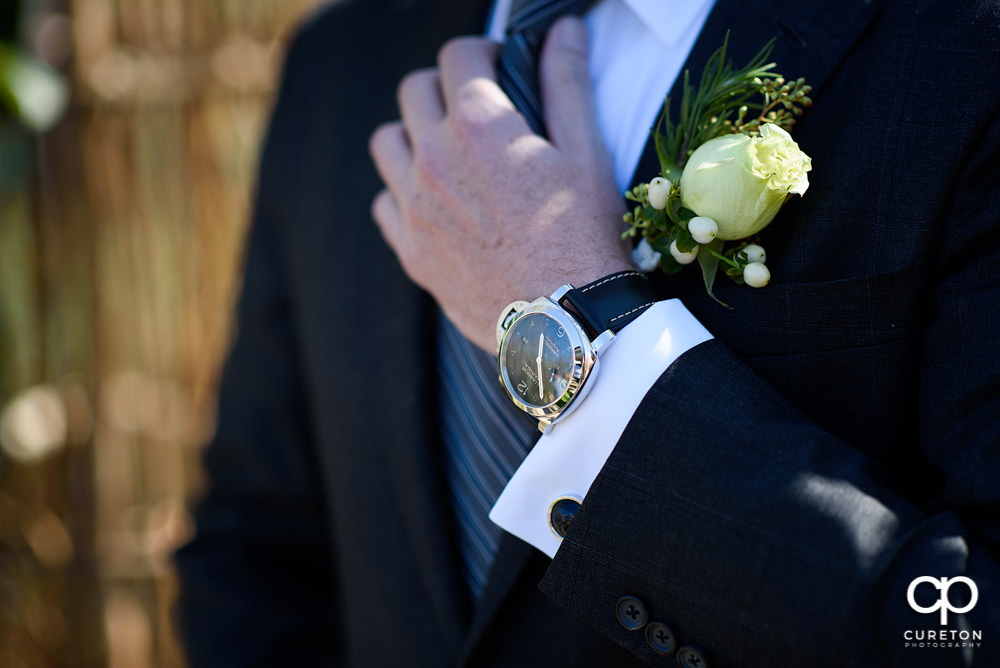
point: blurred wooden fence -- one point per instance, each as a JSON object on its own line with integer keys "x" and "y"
{"x": 119, "y": 262}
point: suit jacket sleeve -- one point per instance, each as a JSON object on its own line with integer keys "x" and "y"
{"x": 764, "y": 538}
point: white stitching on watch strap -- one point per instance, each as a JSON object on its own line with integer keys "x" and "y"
{"x": 613, "y": 278}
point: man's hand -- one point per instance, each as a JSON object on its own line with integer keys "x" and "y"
{"x": 480, "y": 210}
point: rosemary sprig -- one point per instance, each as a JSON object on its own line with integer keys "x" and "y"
{"x": 721, "y": 104}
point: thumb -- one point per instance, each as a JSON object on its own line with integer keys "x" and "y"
{"x": 567, "y": 92}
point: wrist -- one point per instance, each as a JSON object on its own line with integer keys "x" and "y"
{"x": 584, "y": 271}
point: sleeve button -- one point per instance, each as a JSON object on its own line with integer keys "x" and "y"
{"x": 661, "y": 638}
{"x": 689, "y": 656}
{"x": 631, "y": 613}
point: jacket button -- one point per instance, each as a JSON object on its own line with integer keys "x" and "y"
{"x": 661, "y": 638}
{"x": 561, "y": 513}
{"x": 689, "y": 656}
{"x": 631, "y": 613}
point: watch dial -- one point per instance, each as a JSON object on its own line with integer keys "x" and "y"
{"x": 538, "y": 357}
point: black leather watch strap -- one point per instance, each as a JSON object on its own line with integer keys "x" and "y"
{"x": 611, "y": 302}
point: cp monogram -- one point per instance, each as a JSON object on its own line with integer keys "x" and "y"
{"x": 943, "y": 603}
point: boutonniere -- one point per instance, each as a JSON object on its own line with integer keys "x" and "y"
{"x": 726, "y": 168}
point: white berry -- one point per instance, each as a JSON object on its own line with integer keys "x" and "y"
{"x": 703, "y": 229}
{"x": 755, "y": 253}
{"x": 658, "y": 190}
{"x": 756, "y": 275}
{"x": 681, "y": 256}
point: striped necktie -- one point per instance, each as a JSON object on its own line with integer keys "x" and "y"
{"x": 485, "y": 436}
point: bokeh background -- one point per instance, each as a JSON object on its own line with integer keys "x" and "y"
{"x": 129, "y": 132}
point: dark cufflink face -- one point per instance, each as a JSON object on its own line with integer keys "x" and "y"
{"x": 689, "y": 656}
{"x": 661, "y": 638}
{"x": 631, "y": 613}
{"x": 561, "y": 514}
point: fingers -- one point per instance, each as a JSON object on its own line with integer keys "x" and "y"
{"x": 419, "y": 99}
{"x": 386, "y": 214}
{"x": 390, "y": 150}
{"x": 567, "y": 91}
{"x": 468, "y": 65}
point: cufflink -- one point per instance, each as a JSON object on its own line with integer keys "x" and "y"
{"x": 561, "y": 514}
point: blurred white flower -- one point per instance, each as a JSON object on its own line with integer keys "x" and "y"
{"x": 644, "y": 257}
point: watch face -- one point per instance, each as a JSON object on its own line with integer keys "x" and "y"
{"x": 538, "y": 360}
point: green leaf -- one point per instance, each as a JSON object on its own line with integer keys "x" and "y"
{"x": 709, "y": 264}
{"x": 661, "y": 244}
{"x": 673, "y": 206}
{"x": 685, "y": 242}
{"x": 660, "y": 221}
{"x": 669, "y": 265}
{"x": 662, "y": 150}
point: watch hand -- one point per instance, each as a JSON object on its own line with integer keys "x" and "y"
{"x": 538, "y": 360}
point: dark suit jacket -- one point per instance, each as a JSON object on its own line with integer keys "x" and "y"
{"x": 780, "y": 486}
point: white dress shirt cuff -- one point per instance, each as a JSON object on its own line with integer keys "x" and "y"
{"x": 566, "y": 460}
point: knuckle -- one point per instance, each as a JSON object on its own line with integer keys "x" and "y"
{"x": 430, "y": 174}
{"x": 464, "y": 120}
{"x": 425, "y": 149}
{"x": 430, "y": 164}
{"x": 472, "y": 110}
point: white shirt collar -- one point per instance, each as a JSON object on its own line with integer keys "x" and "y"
{"x": 669, "y": 20}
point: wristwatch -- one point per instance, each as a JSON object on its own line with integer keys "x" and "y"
{"x": 550, "y": 348}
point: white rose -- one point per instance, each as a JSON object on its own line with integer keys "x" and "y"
{"x": 741, "y": 182}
